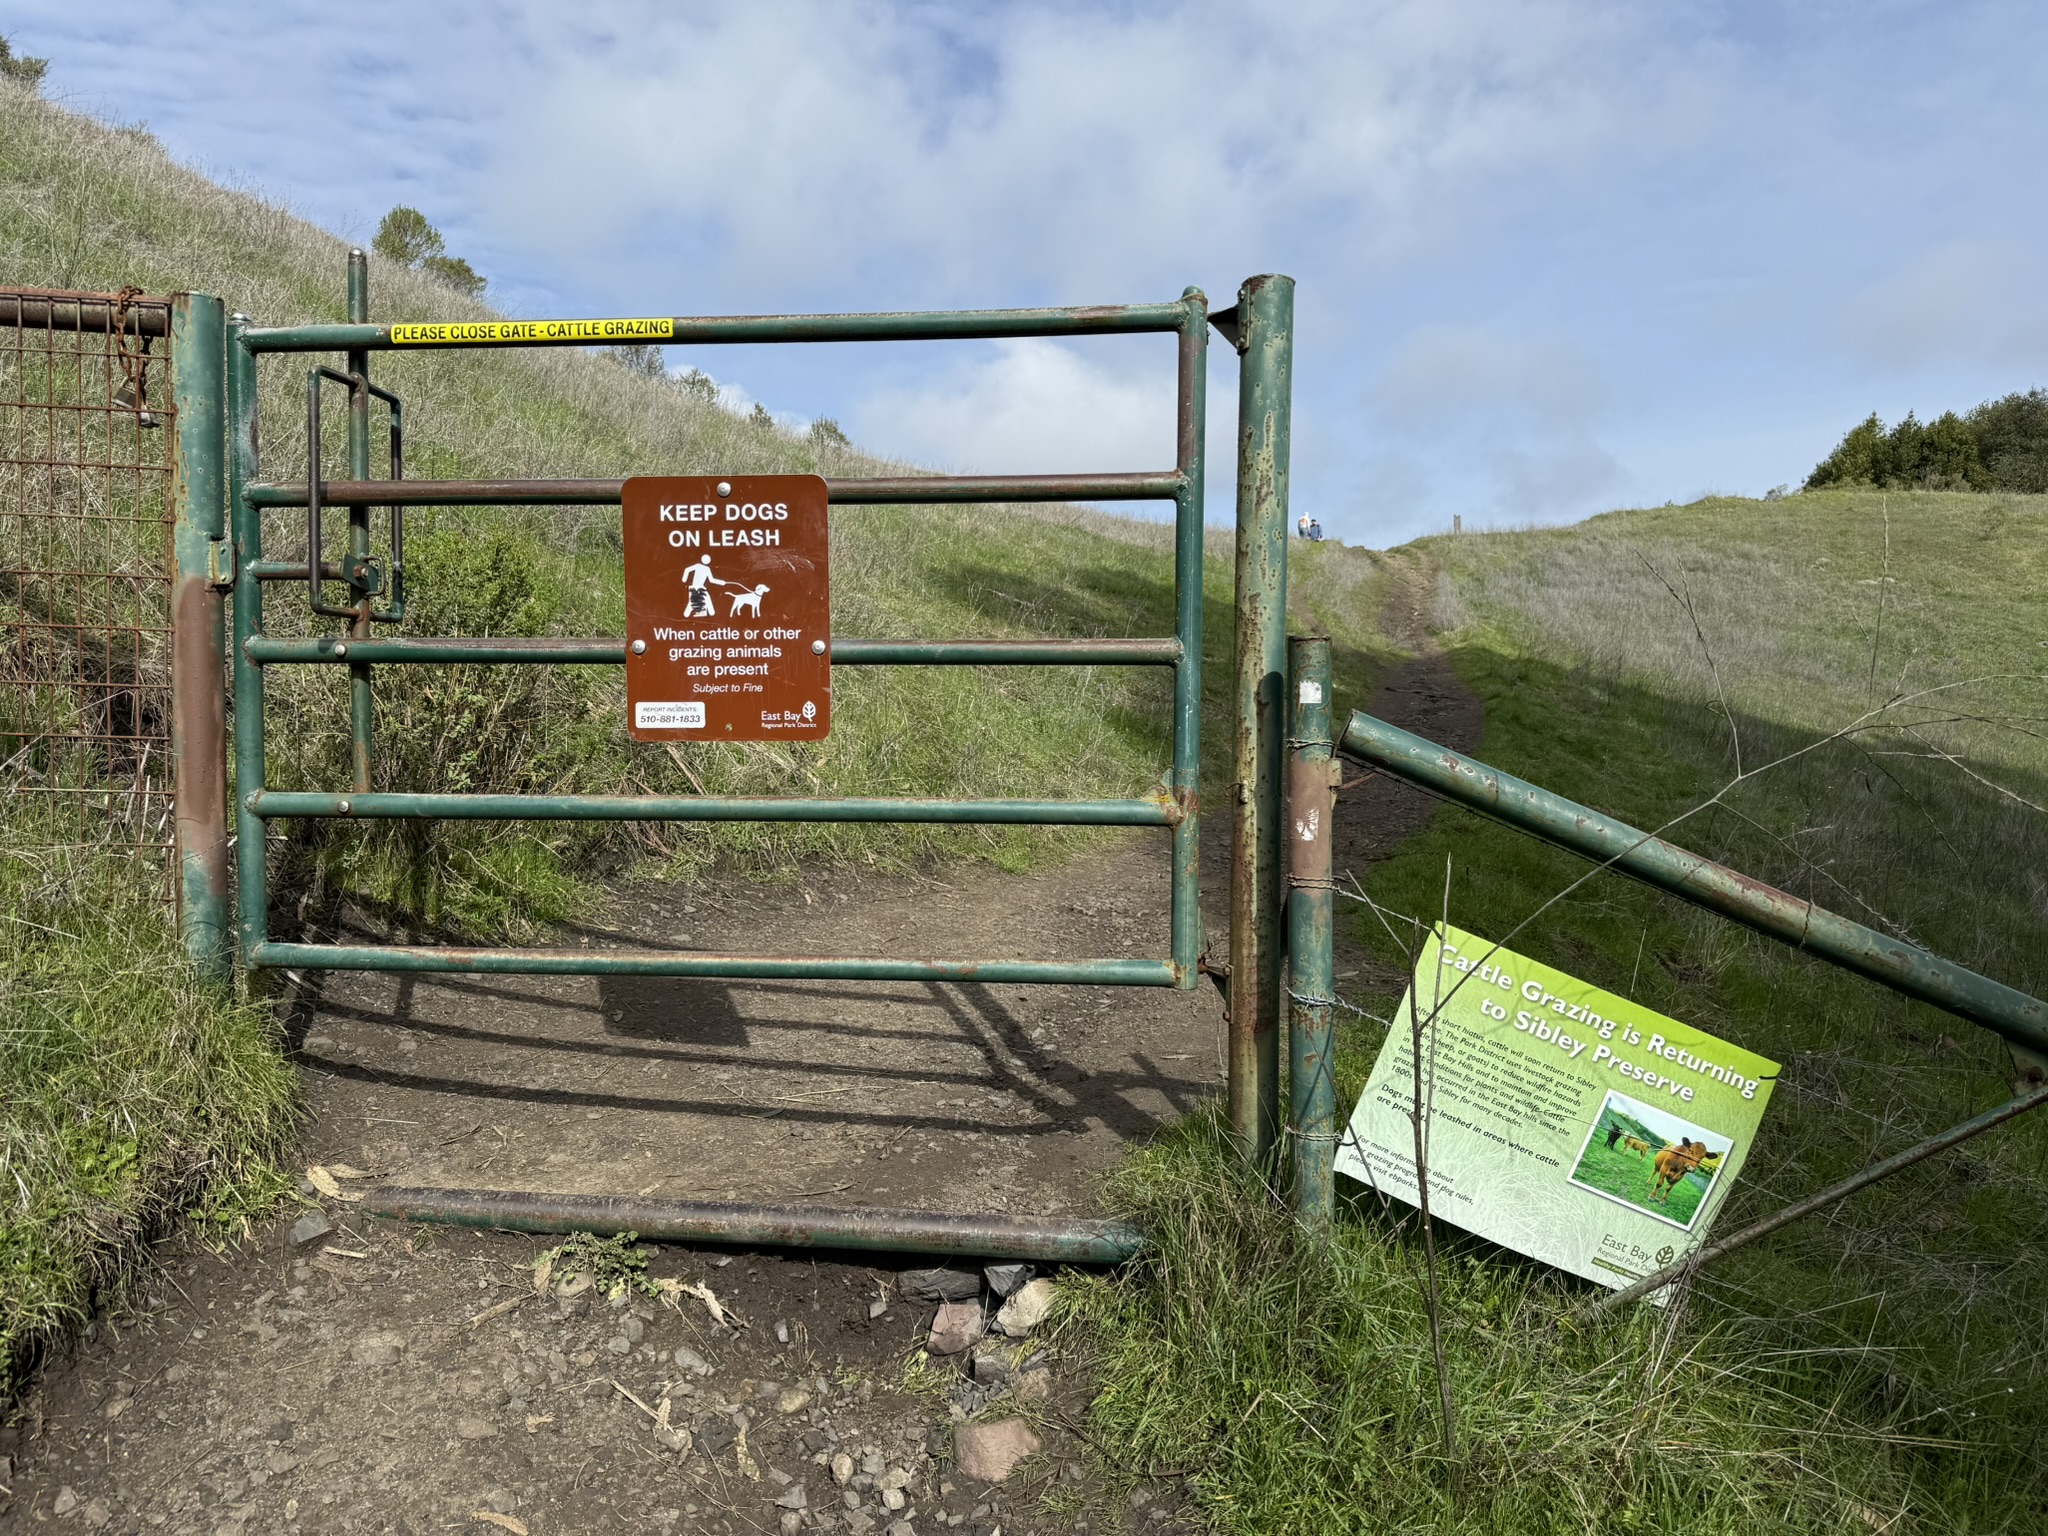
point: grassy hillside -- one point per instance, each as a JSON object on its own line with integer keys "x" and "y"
{"x": 1876, "y": 1368}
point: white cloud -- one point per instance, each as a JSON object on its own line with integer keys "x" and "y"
{"x": 1507, "y": 426}
{"x": 1058, "y": 148}
{"x": 1026, "y": 407}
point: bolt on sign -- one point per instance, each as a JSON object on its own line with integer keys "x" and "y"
{"x": 1563, "y": 1122}
{"x": 728, "y": 608}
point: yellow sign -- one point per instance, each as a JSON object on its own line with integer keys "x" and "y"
{"x": 472, "y": 333}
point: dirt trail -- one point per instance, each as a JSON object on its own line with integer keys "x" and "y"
{"x": 1424, "y": 695}
{"x": 388, "y": 1378}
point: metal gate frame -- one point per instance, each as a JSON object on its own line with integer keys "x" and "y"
{"x": 1260, "y": 327}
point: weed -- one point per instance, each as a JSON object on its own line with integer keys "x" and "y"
{"x": 615, "y": 1264}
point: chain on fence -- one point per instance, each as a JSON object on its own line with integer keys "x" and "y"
{"x": 85, "y": 627}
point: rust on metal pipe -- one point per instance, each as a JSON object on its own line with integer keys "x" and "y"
{"x": 1047, "y": 1239}
{"x": 62, "y": 309}
{"x": 198, "y": 634}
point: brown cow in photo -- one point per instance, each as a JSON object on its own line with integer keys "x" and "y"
{"x": 1673, "y": 1164}
{"x": 1636, "y": 1145}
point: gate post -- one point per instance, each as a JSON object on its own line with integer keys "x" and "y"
{"x": 1311, "y": 800}
{"x": 1264, "y": 325}
{"x": 198, "y": 548}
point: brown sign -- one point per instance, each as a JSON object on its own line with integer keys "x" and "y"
{"x": 728, "y": 608}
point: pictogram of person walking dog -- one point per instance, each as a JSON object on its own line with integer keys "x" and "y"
{"x": 701, "y": 605}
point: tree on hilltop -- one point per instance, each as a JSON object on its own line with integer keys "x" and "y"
{"x": 2012, "y": 439}
{"x": 405, "y": 236}
{"x": 2001, "y": 445}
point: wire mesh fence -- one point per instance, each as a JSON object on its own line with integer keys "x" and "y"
{"x": 85, "y": 625}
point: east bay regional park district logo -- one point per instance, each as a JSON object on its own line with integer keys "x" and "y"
{"x": 728, "y": 608}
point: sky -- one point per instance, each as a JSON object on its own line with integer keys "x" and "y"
{"x": 1552, "y": 258}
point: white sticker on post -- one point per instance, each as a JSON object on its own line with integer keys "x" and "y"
{"x": 1311, "y": 691}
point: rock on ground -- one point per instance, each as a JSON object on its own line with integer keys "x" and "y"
{"x": 957, "y": 1327}
{"x": 990, "y": 1452}
{"x": 1025, "y": 1310}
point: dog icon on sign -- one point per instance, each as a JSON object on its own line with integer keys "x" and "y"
{"x": 748, "y": 602}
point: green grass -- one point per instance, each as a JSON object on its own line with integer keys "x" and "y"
{"x": 132, "y": 1092}
{"x": 1290, "y": 1380}
{"x": 1885, "y": 1361}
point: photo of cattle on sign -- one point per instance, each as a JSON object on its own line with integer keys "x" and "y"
{"x": 1649, "y": 1159}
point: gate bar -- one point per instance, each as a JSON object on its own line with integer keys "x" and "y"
{"x": 1891, "y": 962}
{"x": 383, "y": 804}
{"x": 450, "y": 958}
{"x": 729, "y": 330}
{"x": 266, "y": 649}
{"x": 1159, "y": 485}
{"x": 1820, "y": 1199}
{"x": 1051, "y": 1239}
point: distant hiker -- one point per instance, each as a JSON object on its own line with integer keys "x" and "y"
{"x": 1315, "y": 531}
{"x": 1301, "y": 526}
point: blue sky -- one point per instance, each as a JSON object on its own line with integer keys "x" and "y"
{"x": 1552, "y": 258}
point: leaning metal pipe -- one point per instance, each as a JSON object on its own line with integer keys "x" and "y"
{"x": 1905, "y": 968}
{"x": 1821, "y": 1199}
{"x": 1060, "y": 1240}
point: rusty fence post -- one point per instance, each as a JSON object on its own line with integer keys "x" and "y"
{"x": 1263, "y": 327}
{"x": 199, "y": 555}
{"x": 1311, "y": 799}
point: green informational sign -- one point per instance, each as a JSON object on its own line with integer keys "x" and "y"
{"x": 1565, "y": 1122}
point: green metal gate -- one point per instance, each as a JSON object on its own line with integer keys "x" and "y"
{"x": 1260, "y": 326}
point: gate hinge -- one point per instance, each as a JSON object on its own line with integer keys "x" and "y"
{"x": 1225, "y": 321}
{"x": 220, "y": 563}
